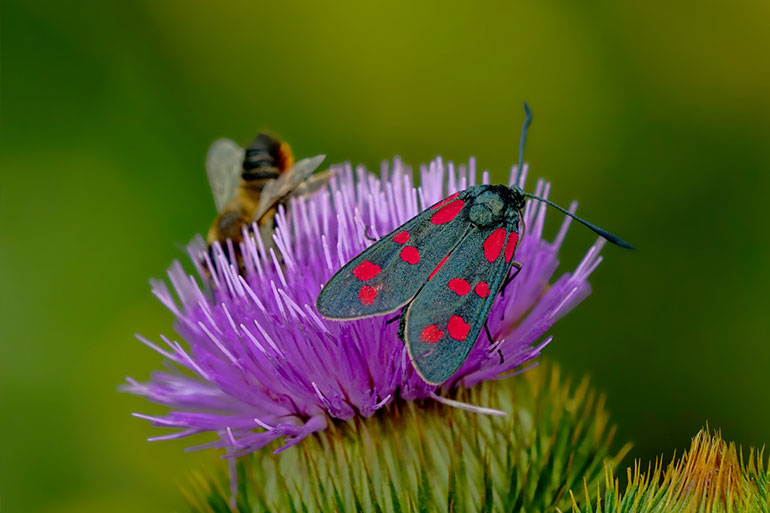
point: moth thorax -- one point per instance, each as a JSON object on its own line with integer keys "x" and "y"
{"x": 481, "y": 215}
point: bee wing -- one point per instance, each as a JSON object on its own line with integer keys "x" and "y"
{"x": 313, "y": 183}
{"x": 224, "y": 163}
{"x": 276, "y": 190}
{"x": 390, "y": 272}
{"x": 442, "y": 323}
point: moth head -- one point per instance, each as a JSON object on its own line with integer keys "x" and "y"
{"x": 518, "y": 198}
{"x": 488, "y": 208}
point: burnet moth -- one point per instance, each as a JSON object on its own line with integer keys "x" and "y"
{"x": 442, "y": 269}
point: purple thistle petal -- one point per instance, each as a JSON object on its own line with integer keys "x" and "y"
{"x": 262, "y": 365}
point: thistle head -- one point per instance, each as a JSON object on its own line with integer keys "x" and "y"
{"x": 257, "y": 363}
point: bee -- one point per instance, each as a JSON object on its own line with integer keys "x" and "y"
{"x": 249, "y": 184}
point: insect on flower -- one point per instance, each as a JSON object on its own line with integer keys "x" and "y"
{"x": 249, "y": 184}
{"x": 442, "y": 269}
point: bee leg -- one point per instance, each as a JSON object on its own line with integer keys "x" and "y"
{"x": 510, "y": 278}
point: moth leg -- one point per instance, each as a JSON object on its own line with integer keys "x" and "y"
{"x": 489, "y": 333}
{"x": 367, "y": 236}
{"x": 421, "y": 356}
{"x": 496, "y": 347}
{"x": 510, "y": 278}
{"x": 394, "y": 319}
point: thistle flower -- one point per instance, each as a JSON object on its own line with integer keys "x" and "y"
{"x": 712, "y": 477}
{"x": 261, "y": 365}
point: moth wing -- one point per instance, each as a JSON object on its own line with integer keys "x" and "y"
{"x": 389, "y": 273}
{"x": 276, "y": 190}
{"x": 224, "y": 163}
{"x": 443, "y": 322}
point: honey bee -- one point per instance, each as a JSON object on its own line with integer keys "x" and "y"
{"x": 249, "y": 184}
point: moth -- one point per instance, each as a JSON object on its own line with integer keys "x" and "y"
{"x": 442, "y": 270}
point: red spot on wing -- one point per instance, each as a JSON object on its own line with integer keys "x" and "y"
{"x": 494, "y": 244}
{"x": 481, "y": 289}
{"x": 459, "y": 286}
{"x": 410, "y": 255}
{"x": 438, "y": 267}
{"x": 513, "y": 238}
{"x": 447, "y": 212}
{"x": 401, "y": 237}
{"x": 444, "y": 201}
{"x": 458, "y": 328}
{"x": 431, "y": 334}
{"x": 366, "y": 270}
{"x": 367, "y": 294}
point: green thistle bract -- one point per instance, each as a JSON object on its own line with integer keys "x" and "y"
{"x": 712, "y": 477}
{"x": 425, "y": 456}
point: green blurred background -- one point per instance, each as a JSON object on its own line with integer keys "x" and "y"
{"x": 655, "y": 115}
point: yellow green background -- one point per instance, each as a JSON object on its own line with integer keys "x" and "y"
{"x": 654, "y": 115}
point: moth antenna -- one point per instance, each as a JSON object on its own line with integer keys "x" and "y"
{"x": 523, "y": 139}
{"x": 600, "y": 231}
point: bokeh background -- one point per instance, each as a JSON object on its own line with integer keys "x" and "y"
{"x": 654, "y": 115}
